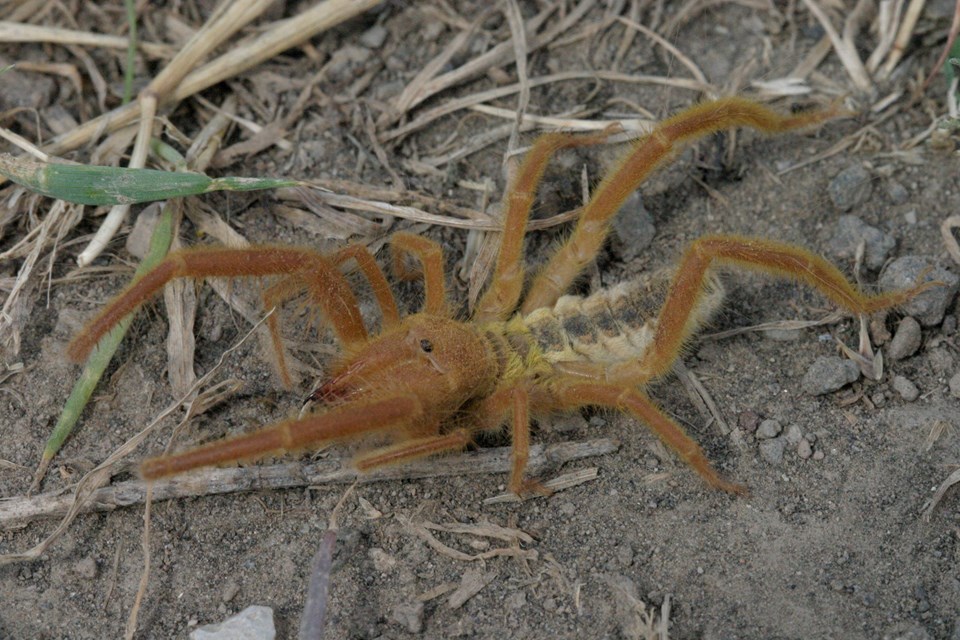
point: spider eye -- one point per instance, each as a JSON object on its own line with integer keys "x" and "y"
{"x": 426, "y": 345}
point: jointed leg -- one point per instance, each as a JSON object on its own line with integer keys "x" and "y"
{"x": 374, "y": 274}
{"x": 647, "y": 154}
{"x": 410, "y": 450}
{"x": 677, "y": 317}
{"x": 503, "y": 294}
{"x": 579, "y": 394}
{"x": 340, "y": 423}
{"x": 326, "y": 285}
{"x": 430, "y": 256}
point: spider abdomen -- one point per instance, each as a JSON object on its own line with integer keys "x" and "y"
{"x": 611, "y": 325}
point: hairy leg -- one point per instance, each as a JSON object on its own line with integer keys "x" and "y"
{"x": 647, "y": 154}
{"x": 341, "y": 423}
{"x": 576, "y": 394}
{"x": 679, "y": 314}
{"x": 430, "y": 256}
{"x": 374, "y": 275}
{"x": 327, "y": 287}
{"x": 503, "y": 294}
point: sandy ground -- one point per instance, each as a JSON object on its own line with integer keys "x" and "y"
{"x": 826, "y": 546}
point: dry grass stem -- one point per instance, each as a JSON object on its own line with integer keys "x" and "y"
{"x": 941, "y": 492}
{"x": 950, "y": 240}
{"x": 698, "y": 75}
{"x": 904, "y": 34}
{"x": 279, "y": 37}
{"x": 554, "y": 485}
{"x": 452, "y": 106}
{"x": 16, "y": 511}
{"x": 844, "y": 45}
{"x": 640, "y": 125}
{"x": 24, "y": 32}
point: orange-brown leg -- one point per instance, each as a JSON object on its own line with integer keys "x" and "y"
{"x": 409, "y": 450}
{"x": 579, "y": 394}
{"x": 503, "y": 294}
{"x": 646, "y": 155}
{"x": 326, "y": 285}
{"x": 679, "y": 315}
{"x": 430, "y": 256}
{"x": 341, "y": 423}
{"x": 374, "y": 275}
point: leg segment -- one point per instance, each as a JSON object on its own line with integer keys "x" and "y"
{"x": 649, "y": 153}
{"x": 409, "y": 450}
{"x": 578, "y": 394}
{"x": 342, "y": 423}
{"x": 430, "y": 256}
{"x": 503, "y": 294}
{"x": 679, "y": 316}
{"x": 326, "y": 285}
{"x": 374, "y": 275}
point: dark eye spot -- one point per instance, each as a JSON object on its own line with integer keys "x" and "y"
{"x": 426, "y": 345}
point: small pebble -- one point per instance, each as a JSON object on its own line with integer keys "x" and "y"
{"x": 374, "y": 37}
{"x": 633, "y": 228}
{"x": 772, "y": 450}
{"x": 897, "y": 193}
{"x": 768, "y": 429}
{"x": 804, "y": 450}
{"x": 906, "y": 340}
{"x": 878, "y": 399}
{"x": 829, "y": 373}
{"x": 819, "y": 455}
{"x": 383, "y": 562}
{"x": 230, "y": 590}
{"x": 851, "y": 187}
{"x": 253, "y": 623}
{"x": 86, "y": 568}
{"x": 910, "y": 217}
{"x": 930, "y": 306}
{"x": 907, "y": 390}
{"x": 955, "y": 385}
{"x": 793, "y": 434}
{"x": 409, "y": 615}
{"x": 748, "y": 421}
{"x": 850, "y": 231}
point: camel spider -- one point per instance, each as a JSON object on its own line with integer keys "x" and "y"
{"x": 430, "y": 382}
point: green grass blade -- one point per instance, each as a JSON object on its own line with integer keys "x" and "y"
{"x": 100, "y": 357}
{"x": 98, "y": 186}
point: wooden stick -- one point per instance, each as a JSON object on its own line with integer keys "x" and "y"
{"x": 17, "y": 511}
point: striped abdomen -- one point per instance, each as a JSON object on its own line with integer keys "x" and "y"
{"x": 610, "y": 325}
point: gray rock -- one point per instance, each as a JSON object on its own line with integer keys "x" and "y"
{"x": 897, "y": 193}
{"x": 829, "y": 373}
{"x": 804, "y": 449}
{"x": 851, "y": 187}
{"x": 409, "y": 615}
{"x": 793, "y": 434}
{"x": 905, "y": 341}
{"x": 955, "y": 385}
{"x": 633, "y": 228}
{"x": 374, "y": 37}
{"x": 768, "y": 429}
{"x": 907, "y": 390}
{"x": 928, "y": 307}
{"x": 772, "y": 450}
{"x": 850, "y": 231}
{"x": 253, "y": 623}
